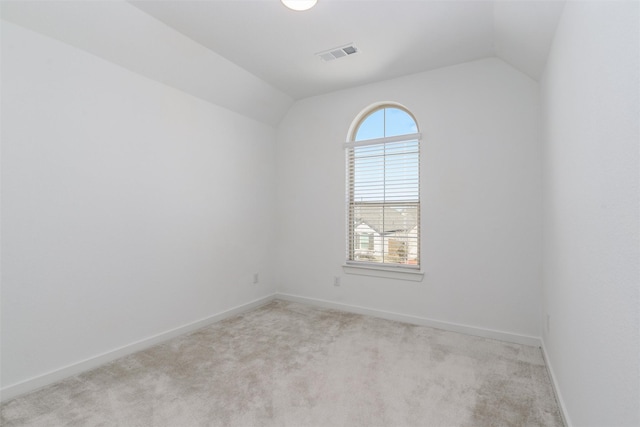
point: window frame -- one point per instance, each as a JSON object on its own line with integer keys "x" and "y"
{"x": 379, "y": 269}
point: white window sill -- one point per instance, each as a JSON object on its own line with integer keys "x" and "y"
{"x": 386, "y": 272}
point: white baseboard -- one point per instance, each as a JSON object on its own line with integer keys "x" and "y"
{"x": 447, "y": 326}
{"x": 556, "y": 389}
{"x": 40, "y": 381}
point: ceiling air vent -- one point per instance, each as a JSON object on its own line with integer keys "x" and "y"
{"x": 338, "y": 52}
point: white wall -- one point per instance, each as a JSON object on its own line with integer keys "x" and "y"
{"x": 481, "y": 198}
{"x": 128, "y": 208}
{"x": 590, "y": 94}
{"x": 143, "y": 44}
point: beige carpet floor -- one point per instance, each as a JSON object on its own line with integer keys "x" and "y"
{"x": 288, "y": 364}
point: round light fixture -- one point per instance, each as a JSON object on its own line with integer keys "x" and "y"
{"x": 299, "y": 5}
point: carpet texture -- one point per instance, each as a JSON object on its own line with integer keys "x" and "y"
{"x": 288, "y": 364}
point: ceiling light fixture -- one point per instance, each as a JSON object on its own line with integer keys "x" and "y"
{"x": 299, "y": 5}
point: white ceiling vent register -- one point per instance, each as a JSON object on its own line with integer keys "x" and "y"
{"x": 338, "y": 52}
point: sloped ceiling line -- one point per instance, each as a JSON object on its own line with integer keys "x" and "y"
{"x": 256, "y": 57}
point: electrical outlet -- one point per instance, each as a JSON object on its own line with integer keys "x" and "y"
{"x": 256, "y": 278}
{"x": 336, "y": 281}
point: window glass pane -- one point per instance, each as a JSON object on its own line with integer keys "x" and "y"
{"x": 386, "y": 122}
{"x": 385, "y": 172}
{"x": 364, "y": 241}
{"x": 367, "y": 173}
{"x": 386, "y": 233}
{"x": 372, "y": 127}
{"x": 398, "y": 122}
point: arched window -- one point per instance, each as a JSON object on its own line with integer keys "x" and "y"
{"x": 383, "y": 188}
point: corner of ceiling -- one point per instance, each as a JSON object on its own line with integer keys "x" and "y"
{"x": 523, "y": 33}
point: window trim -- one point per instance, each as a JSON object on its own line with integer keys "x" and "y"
{"x": 390, "y": 270}
{"x": 388, "y": 139}
{"x": 398, "y": 272}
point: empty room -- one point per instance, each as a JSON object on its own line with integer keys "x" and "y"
{"x": 320, "y": 213}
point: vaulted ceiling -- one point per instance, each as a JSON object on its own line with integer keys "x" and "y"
{"x": 256, "y": 57}
{"x": 394, "y": 37}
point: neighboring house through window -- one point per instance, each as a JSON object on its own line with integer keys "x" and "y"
{"x": 383, "y": 188}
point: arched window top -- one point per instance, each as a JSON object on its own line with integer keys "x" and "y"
{"x": 384, "y": 121}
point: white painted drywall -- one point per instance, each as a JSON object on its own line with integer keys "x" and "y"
{"x": 129, "y": 208}
{"x": 121, "y": 33}
{"x": 523, "y": 31}
{"x": 591, "y": 110}
{"x": 481, "y": 198}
